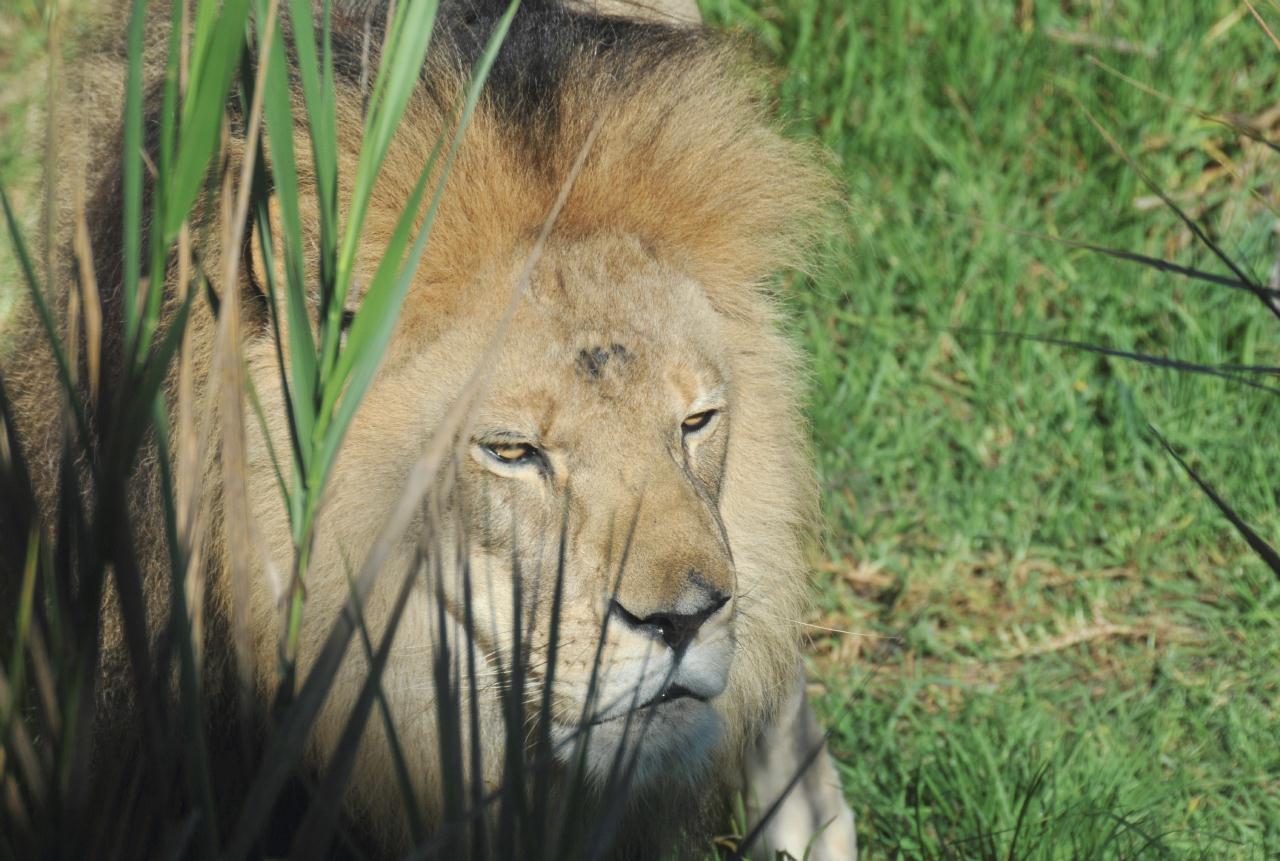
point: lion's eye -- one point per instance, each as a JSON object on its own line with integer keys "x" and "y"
{"x": 513, "y": 452}
{"x": 697, "y": 421}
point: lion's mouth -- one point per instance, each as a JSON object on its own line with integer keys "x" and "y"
{"x": 666, "y": 696}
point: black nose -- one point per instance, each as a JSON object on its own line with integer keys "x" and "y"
{"x": 677, "y": 630}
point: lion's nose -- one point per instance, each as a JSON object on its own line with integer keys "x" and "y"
{"x": 677, "y": 630}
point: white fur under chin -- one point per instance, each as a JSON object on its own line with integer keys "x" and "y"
{"x": 668, "y": 742}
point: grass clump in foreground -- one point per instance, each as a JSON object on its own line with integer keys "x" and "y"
{"x": 1061, "y": 648}
{"x": 120, "y": 435}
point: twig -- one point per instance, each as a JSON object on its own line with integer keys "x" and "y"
{"x": 1093, "y": 40}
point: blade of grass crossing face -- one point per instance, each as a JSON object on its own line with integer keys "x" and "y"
{"x": 376, "y": 318}
{"x": 315, "y": 835}
{"x": 479, "y": 841}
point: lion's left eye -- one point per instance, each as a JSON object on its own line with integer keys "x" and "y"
{"x": 513, "y": 452}
{"x": 697, "y": 421}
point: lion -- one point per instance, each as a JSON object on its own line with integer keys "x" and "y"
{"x": 633, "y": 463}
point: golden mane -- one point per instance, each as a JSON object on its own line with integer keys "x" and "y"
{"x": 685, "y": 160}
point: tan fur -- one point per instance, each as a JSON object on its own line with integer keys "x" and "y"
{"x": 686, "y": 204}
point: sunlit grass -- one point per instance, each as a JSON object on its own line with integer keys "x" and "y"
{"x": 1064, "y": 596}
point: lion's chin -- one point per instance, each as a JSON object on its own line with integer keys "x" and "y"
{"x": 667, "y": 742}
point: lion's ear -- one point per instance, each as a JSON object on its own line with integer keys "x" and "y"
{"x": 257, "y": 254}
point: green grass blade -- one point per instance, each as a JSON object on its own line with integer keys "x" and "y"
{"x": 324, "y": 137}
{"x": 372, "y": 326}
{"x": 202, "y": 113}
{"x": 397, "y": 80}
{"x": 278, "y": 114}
{"x": 206, "y": 18}
{"x": 164, "y": 160}
{"x": 139, "y": 405}
{"x": 376, "y": 319}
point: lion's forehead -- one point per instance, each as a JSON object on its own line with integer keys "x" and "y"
{"x": 615, "y": 377}
{"x": 601, "y": 358}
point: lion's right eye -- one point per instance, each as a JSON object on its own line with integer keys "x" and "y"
{"x": 697, "y": 421}
{"x": 513, "y": 452}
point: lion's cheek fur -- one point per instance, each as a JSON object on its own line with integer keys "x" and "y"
{"x": 767, "y": 504}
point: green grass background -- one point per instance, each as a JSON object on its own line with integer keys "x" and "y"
{"x": 1057, "y": 648}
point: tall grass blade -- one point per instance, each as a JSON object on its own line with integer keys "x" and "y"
{"x": 1194, "y": 226}
{"x": 316, "y": 833}
{"x": 375, "y": 321}
{"x": 1156, "y": 263}
{"x": 1155, "y": 361}
{"x": 1233, "y": 125}
{"x": 301, "y": 384}
{"x": 1256, "y": 543}
{"x": 287, "y": 741}
{"x": 324, "y": 139}
{"x": 202, "y": 113}
{"x": 398, "y": 77}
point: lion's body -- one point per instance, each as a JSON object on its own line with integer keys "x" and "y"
{"x": 647, "y": 304}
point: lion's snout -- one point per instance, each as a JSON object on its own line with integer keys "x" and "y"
{"x": 676, "y": 629}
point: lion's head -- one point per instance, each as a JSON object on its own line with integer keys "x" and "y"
{"x": 634, "y": 450}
